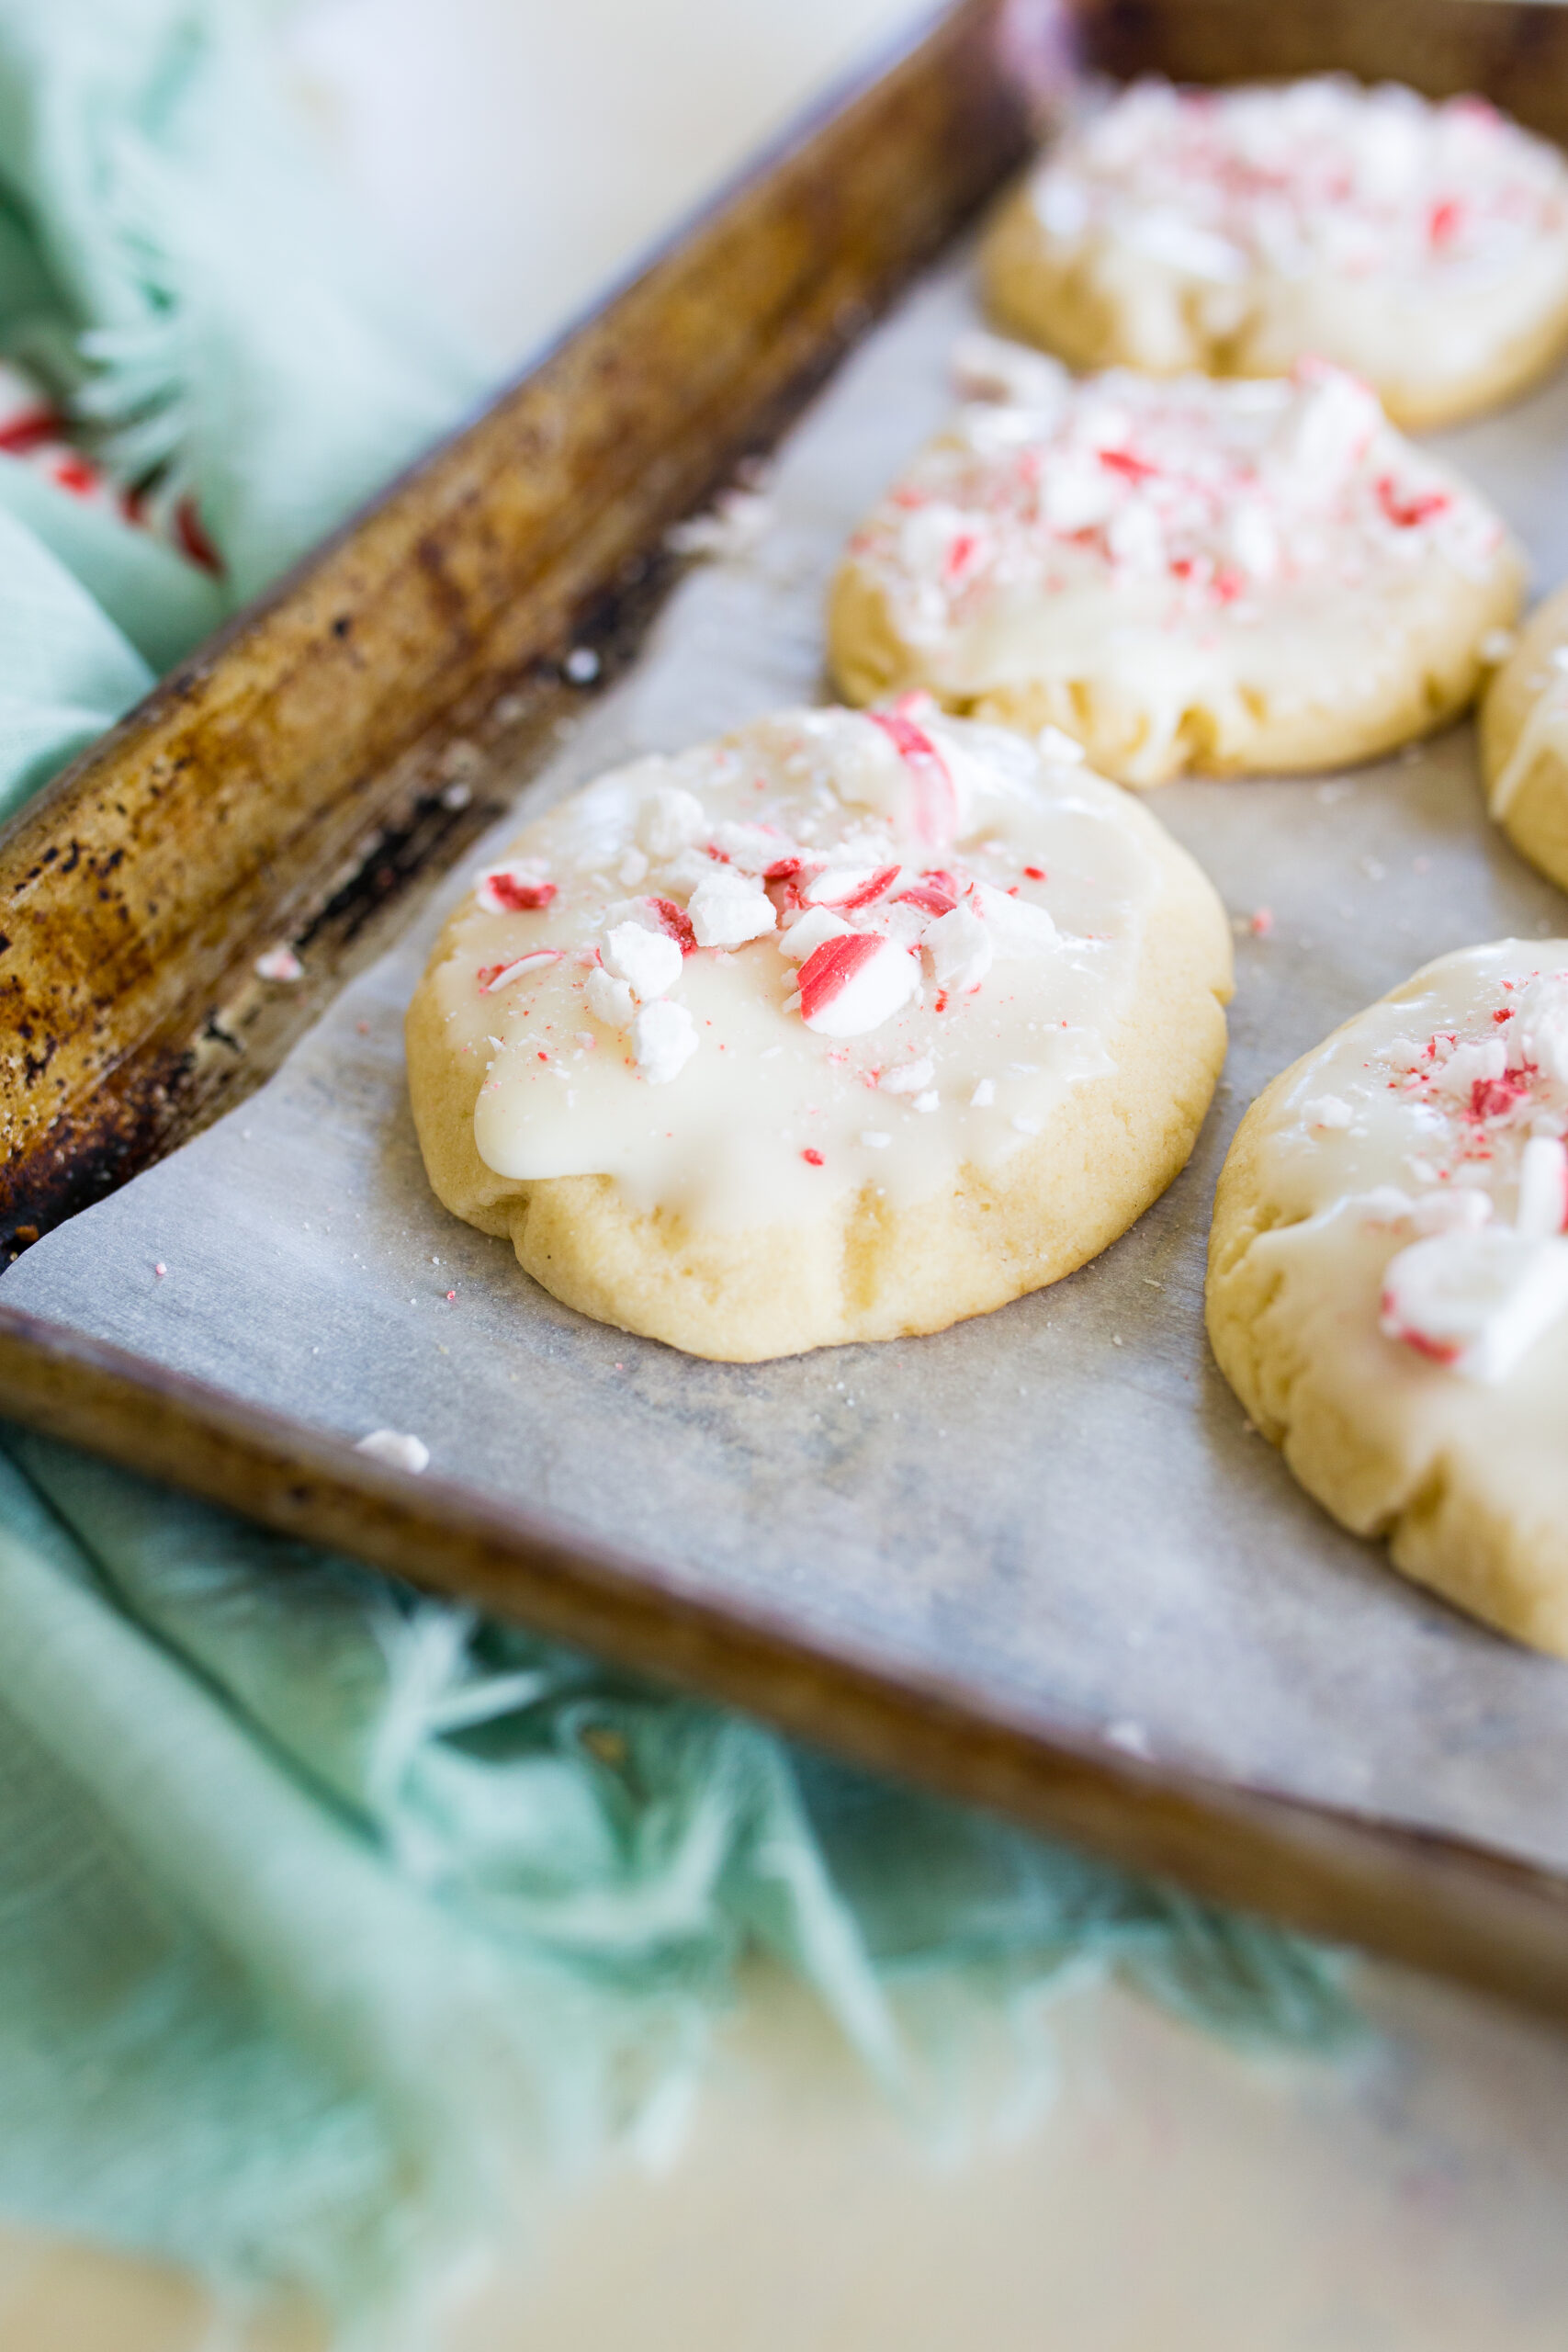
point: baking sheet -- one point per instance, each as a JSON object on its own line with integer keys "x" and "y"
{"x": 1060, "y": 1504}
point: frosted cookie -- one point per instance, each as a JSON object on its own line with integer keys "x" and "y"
{"x": 1388, "y": 1278}
{"x": 843, "y": 1027}
{"x": 1227, "y": 577}
{"x": 1524, "y": 741}
{"x": 1424, "y": 247}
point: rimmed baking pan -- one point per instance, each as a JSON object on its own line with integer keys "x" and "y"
{"x": 317, "y": 769}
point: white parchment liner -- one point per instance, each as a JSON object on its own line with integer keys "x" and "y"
{"x": 1060, "y": 1503}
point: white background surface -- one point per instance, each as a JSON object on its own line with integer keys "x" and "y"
{"x": 1171, "y": 2199}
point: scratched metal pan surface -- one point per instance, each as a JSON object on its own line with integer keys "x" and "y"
{"x": 1037, "y": 1559}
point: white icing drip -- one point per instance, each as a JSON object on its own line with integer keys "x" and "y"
{"x": 763, "y": 1052}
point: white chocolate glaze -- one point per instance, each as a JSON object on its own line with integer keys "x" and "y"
{"x": 1315, "y": 217}
{"x": 1417, "y": 1166}
{"x": 973, "y": 910}
{"x": 1250, "y": 550}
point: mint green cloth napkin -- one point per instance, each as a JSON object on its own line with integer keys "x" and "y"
{"x": 332, "y": 1919}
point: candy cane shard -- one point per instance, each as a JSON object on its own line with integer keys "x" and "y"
{"x": 935, "y": 796}
{"x": 500, "y": 976}
{"x": 664, "y": 1038}
{"x": 520, "y": 888}
{"x": 960, "y": 948}
{"x": 649, "y": 962}
{"x": 727, "y": 909}
{"x": 853, "y": 984}
{"x": 936, "y": 893}
{"x": 806, "y": 934}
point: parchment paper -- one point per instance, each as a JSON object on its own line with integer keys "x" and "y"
{"x": 1059, "y": 1503}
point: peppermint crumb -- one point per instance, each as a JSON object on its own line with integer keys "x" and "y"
{"x": 397, "y": 1450}
{"x": 280, "y": 963}
{"x": 160, "y": 1270}
{"x": 363, "y": 1027}
{"x": 450, "y": 1296}
{"x": 1261, "y": 922}
{"x": 582, "y": 665}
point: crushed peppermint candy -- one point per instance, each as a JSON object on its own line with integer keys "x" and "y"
{"x": 396, "y": 1450}
{"x": 521, "y": 888}
{"x": 1215, "y": 491}
{"x": 853, "y": 984}
{"x": 502, "y": 976}
{"x": 649, "y": 962}
{"x": 1318, "y": 174}
{"x": 664, "y": 1038}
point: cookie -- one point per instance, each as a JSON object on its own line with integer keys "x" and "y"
{"x": 846, "y": 1026}
{"x": 1232, "y": 578}
{"x": 1388, "y": 1278}
{"x": 1237, "y": 231}
{"x": 1524, "y": 741}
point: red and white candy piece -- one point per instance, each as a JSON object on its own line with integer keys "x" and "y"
{"x": 853, "y": 984}
{"x": 809, "y": 932}
{"x": 520, "y": 888}
{"x": 935, "y": 807}
{"x": 847, "y": 887}
{"x": 960, "y": 949}
{"x": 500, "y": 976}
